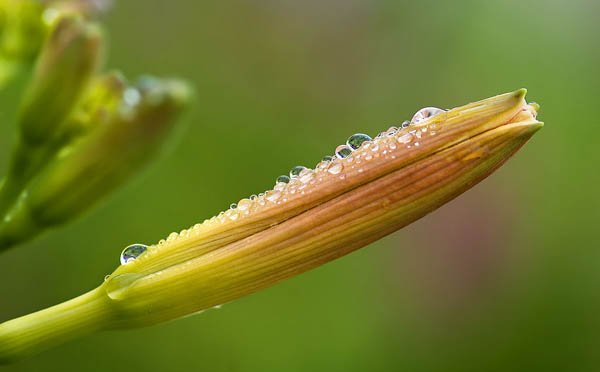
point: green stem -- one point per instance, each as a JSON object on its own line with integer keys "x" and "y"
{"x": 33, "y": 333}
{"x": 23, "y": 163}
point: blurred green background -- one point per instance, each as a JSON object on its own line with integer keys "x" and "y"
{"x": 504, "y": 278}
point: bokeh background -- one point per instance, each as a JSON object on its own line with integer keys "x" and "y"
{"x": 504, "y": 278}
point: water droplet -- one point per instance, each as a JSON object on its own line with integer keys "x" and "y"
{"x": 296, "y": 171}
{"x": 273, "y": 195}
{"x": 306, "y": 175}
{"x": 327, "y": 158}
{"x": 405, "y": 123}
{"x": 335, "y": 168}
{"x": 233, "y": 206}
{"x": 253, "y": 197}
{"x": 244, "y": 204}
{"x": 322, "y": 165}
{"x": 131, "y": 96}
{"x": 425, "y": 113}
{"x": 342, "y": 151}
{"x": 106, "y": 277}
{"x": 356, "y": 140}
{"x": 391, "y": 131}
{"x": 405, "y": 138}
{"x": 279, "y": 186}
{"x": 132, "y": 252}
{"x": 284, "y": 179}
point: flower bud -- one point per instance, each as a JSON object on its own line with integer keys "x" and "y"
{"x": 69, "y": 58}
{"x": 97, "y": 106}
{"x": 322, "y": 214}
{"x": 65, "y": 66}
{"x": 317, "y": 216}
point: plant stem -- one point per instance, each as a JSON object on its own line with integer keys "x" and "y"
{"x": 47, "y": 328}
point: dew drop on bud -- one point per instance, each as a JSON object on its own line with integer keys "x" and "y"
{"x": 233, "y": 206}
{"x": 335, "y": 168}
{"x": 405, "y": 138}
{"x": 244, "y": 204}
{"x": 306, "y": 175}
{"x": 273, "y": 195}
{"x": 356, "y": 140}
{"x": 132, "y": 252}
{"x": 425, "y": 113}
{"x": 131, "y": 97}
{"x": 405, "y": 123}
{"x": 296, "y": 171}
{"x": 284, "y": 179}
{"x": 327, "y": 158}
{"x": 322, "y": 165}
{"x": 342, "y": 151}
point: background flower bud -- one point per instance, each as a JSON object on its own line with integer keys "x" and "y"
{"x": 66, "y": 64}
{"x": 98, "y": 105}
{"x": 89, "y": 169}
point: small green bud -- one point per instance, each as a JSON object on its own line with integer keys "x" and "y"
{"x": 99, "y": 103}
{"x": 67, "y": 62}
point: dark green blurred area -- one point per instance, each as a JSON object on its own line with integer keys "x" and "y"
{"x": 504, "y": 278}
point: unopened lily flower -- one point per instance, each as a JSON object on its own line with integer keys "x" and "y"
{"x": 368, "y": 189}
{"x": 70, "y": 57}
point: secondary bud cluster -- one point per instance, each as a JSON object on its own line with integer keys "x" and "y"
{"x": 81, "y": 134}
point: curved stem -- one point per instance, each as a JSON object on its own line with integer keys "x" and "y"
{"x": 50, "y": 327}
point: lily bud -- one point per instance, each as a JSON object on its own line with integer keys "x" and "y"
{"x": 98, "y": 105}
{"x": 85, "y": 172}
{"x": 65, "y": 66}
{"x": 371, "y": 189}
{"x": 68, "y": 60}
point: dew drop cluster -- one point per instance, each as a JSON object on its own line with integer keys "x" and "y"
{"x": 353, "y": 155}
